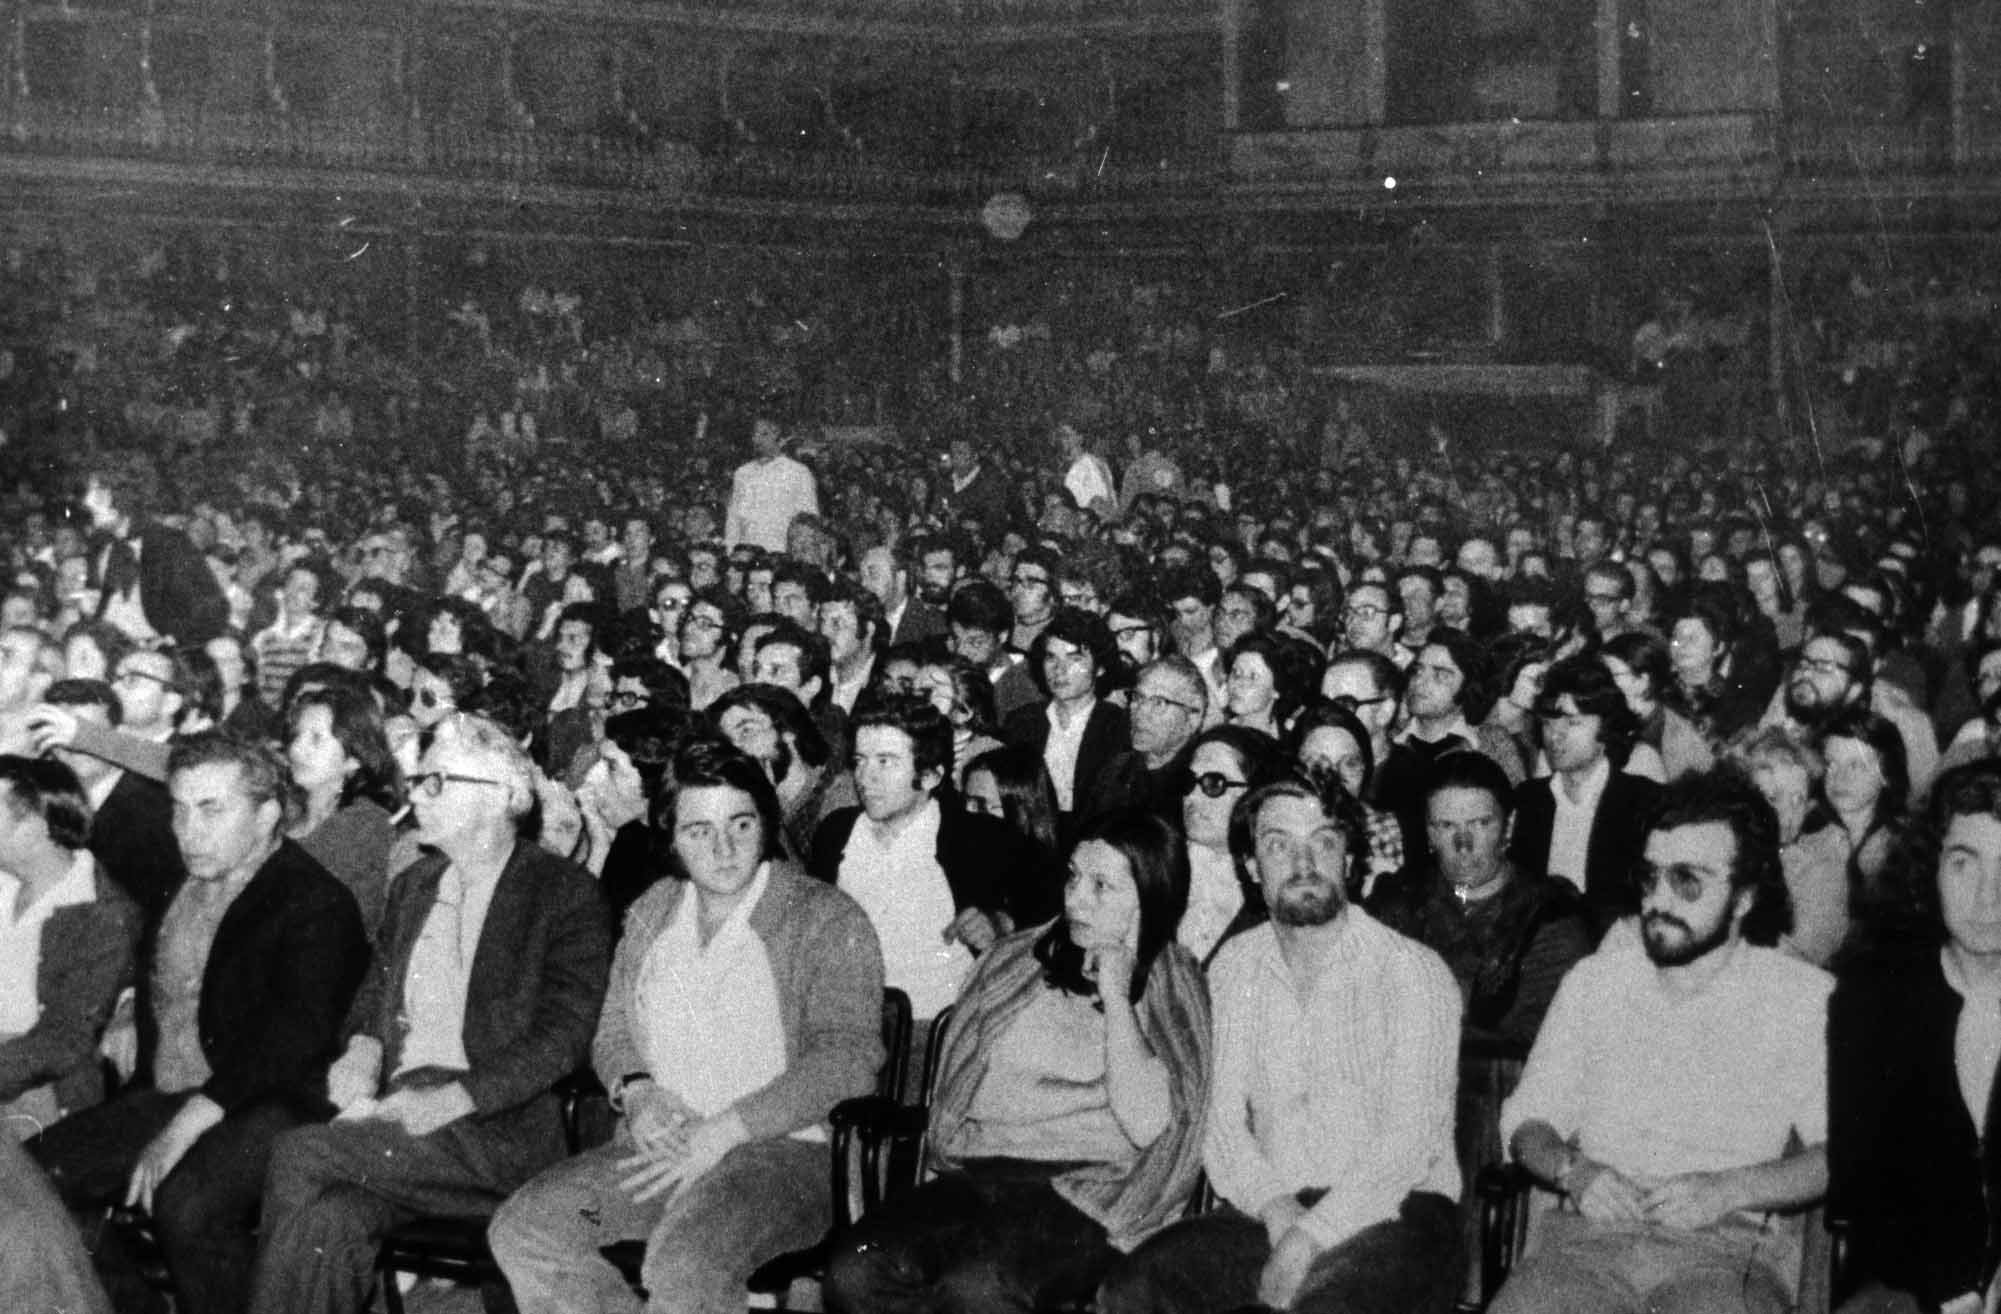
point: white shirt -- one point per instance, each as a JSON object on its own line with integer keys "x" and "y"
{"x": 765, "y": 497}
{"x": 1570, "y": 832}
{"x": 1656, "y": 1082}
{"x": 1977, "y": 1043}
{"x": 899, "y": 884}
{"x": 1350, "y": 1088}
{"x": 707, "y": 1016}
{"x": 21, "y": 940}
{"x": 1060, "y": 753}
{"x": 1089, "y": 480}
{"x": 440, "y": 973}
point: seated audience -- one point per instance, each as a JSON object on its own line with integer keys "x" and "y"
{"x": 1329, "y": 1135}
{"x": 1675, "y": 1073}
{"x": 745, "y": 1002}
{"x": 1066, "y": 1125}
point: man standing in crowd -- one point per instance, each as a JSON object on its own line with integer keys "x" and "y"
{"x": 767, "y": 492}
{"x": 493, "y": 967}
{"x": 246, "y": 987}
{"x": 153, "y": 583}
{"x": 1670, "y": 1079}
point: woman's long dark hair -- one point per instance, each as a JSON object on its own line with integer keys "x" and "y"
{"x": 1158, "y": 861}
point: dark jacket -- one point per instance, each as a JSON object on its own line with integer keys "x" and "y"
{"x": 285, "y": 963}
{"x": 538, "y": 981}
{"x": 1618, "y": 838}
{"x": 1909, "y": 1172}
{"x": 1109, "y": 774}
{"x": 987, "y": 498}
{"x": 177, "y": 590}
{"x": 920, "y": 621}
{"x": 87, "y": 952}
{"x": 988, "y": 864}
{"x": 133, "y": 836}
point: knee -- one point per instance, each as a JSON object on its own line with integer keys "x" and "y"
{"x": 519, "y": 1229}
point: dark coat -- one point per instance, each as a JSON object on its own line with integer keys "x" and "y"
{"x": 538, "y": 981}
{"x": 284, "y": 966}
{"x": 920, "y": 621}
{"x": 1909, "y": 1172}
{"x": 1109, "y": 773}
{"x": 87, "y": 953}
{"x": 177, "y": 590}
{"x": 133, "y": 836}
{"x": 1618, "y": 838}
{"x": 988, "y": 864}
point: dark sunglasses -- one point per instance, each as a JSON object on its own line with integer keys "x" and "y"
{"x": 1213, "y": 784}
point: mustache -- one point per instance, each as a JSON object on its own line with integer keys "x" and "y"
{"x": 1661, "y": 918}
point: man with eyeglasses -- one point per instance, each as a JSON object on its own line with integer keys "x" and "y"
{"x": 1168, "y": 706}
{"x": 705, "y": 643}
{"x": 1608, "y": 596}
{"x": 150, "y": 695}
{"x": 1676, "y": 1096}
{"x": 1372, "y": 620}
{"x": 1331, "y": 1110}
{"x": 1136, "y": 630}
{"x": 494, "y": 962}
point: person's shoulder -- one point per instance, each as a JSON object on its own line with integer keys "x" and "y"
{"x": 1404, "y": 958}
{"x": 1780, "y": 977}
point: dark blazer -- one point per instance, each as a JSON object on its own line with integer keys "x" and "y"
{"x": 177, "y": 591}
{"x": 284, "y": 966}
{"x": 1909, "y": 1172}
{"x": 920, "y": 621}
{"x": 87, "y": 952}
{"x": 133, "y": 836}
{"x": 988, "y": 499}
{"x": 988, "y": 864}
{"x": 538, "y": 981}
{"x": 1618, "y": 837}
{"x": 1109, "y": 774}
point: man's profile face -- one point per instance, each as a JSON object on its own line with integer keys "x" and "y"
{"x": 1573, "y": 740}
{"x": 216, "y": 823}
{"x": 1688, "y": 907}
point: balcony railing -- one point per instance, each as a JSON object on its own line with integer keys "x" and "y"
{"x": 670, "y": 168}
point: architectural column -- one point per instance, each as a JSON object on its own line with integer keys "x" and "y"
{"x": 1376, "y": 41}
{"x": 1233, "y": 27}
{"x": 1778, "y": 318}
{"x": 956, "y": 321}
{"x": 1497, "y": 310}
{"x": 1611, "y": 75}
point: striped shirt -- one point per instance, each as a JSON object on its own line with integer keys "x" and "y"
{"x": 1348, "y": 1089}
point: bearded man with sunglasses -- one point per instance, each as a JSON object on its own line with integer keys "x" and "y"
{"x": 1677, "y": 1093}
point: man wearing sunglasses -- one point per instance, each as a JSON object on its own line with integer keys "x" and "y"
{"x": 1676, "y": 1069}
{"x": 495, "y": 954}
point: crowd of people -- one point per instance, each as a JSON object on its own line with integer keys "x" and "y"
{"x": 1632, "y": 815}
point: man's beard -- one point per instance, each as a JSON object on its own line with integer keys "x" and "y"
{"x": 1810, "y": 715}
{"x": 1687, "y": 951}
{"x": 1308, "y": 901}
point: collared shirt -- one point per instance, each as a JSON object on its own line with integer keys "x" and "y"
{"x": 899, "y": 884}
{"x": 1066, "y": 741}
{"x": 1460, "y": 728}
{"x": 21, "y": 939}
{"x": 1349, "y": 1088}
{"x": 180, "y": 965}
{"x": 440, "y": 974}
{"x": 1977, "y": 1044}
{"x": 1570, "y": 833}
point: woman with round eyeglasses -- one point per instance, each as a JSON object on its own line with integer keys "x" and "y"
{"x": 1868, "y": 789}
{"x": 1224, "y": 763}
